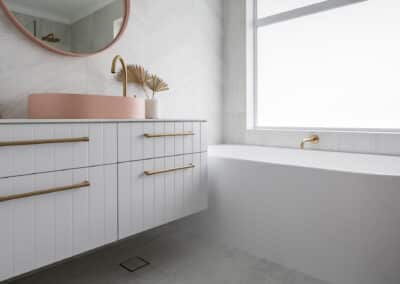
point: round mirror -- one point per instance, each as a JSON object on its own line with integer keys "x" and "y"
{"x": 70, "y": 27}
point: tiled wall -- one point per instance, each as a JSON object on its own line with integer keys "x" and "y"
{"x": 234, "y": 120}
{"x": 180, "y": 40}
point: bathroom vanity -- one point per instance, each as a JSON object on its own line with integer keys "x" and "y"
{"x": 69, "y": 186}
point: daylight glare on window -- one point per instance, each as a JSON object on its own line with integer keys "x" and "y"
{"x": 339, "y": 68}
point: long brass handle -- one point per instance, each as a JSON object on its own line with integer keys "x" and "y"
{"x": 43, "y": 192}
{"x": 148, "y": 135}
{"x": 44, "y": 141}
{"x": 151, "y": 173}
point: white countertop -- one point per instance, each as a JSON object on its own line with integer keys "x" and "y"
{"x": 39, "y": 121}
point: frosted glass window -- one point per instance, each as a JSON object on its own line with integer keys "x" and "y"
{"x": 334, "y": 69}
{"x": 271, "y": 7}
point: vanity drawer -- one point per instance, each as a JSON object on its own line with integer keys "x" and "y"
{"x": 157, "y": 191}
{"x": 137, "y": 141}
{"x": 45, "y": 218}
{"x": 35, "y": 148}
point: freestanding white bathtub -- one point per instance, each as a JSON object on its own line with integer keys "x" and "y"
{"x": 335, "y": 216}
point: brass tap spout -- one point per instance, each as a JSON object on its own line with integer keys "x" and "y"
{"x": 313, "y": 139}
{"x": 124, "y": 71}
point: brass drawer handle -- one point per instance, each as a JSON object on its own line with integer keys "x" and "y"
{"x": 44, "y": 141}
{"x": 43, "y": 192}
{"x": 157, "y": 135}
{"x": 151, "y": 173}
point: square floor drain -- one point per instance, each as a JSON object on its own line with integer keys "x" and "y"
{"x": 135, "y": 263}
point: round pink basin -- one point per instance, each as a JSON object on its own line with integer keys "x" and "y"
{"x": 74, "y": 106}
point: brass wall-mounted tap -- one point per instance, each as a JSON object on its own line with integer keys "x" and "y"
{"x": 313, "y": 139}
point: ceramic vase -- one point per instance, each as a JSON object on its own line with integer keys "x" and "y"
{"x": 152, "y": 109}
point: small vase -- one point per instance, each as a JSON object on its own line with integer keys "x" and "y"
{"x": 152, "y": 109}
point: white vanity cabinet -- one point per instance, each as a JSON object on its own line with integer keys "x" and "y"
{"x": 67, "y": 187}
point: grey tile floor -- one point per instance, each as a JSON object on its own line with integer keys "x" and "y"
{"x": 176, "y": 257}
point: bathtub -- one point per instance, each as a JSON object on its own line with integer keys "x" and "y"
{"x": 334, "y": 216}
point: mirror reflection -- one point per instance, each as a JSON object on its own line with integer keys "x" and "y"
{"x": 76, "y": 26}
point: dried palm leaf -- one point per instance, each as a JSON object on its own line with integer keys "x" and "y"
{"x": 137, "y": 75}
{"x": 156, "y": 84}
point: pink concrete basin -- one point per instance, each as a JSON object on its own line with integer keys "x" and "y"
{"x": 75, "y": 106}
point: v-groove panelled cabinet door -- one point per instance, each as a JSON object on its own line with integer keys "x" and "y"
{"x": 53, "y": 216}
{"x": 157, "y": 191}
{"x": 67, "y": 187}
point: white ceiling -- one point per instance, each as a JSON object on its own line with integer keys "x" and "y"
{"x": 64, "y": 11}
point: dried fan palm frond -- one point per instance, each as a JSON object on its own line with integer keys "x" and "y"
{"x": 137, "y": 75}
{"x": 156, "y": 84}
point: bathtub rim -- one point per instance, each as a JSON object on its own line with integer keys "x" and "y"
{"x": 374, "y": 167}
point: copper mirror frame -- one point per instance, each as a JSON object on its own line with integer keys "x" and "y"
{"x": 14, "y": 20}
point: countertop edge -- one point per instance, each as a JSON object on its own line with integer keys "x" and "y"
{"x": 61, "y": 121}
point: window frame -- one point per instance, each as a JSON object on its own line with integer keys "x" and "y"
{"x": 253, "y": 23}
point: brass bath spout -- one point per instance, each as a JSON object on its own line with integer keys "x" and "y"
{"x": 313, "y": 139}
{"x": 124, "y": 71}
